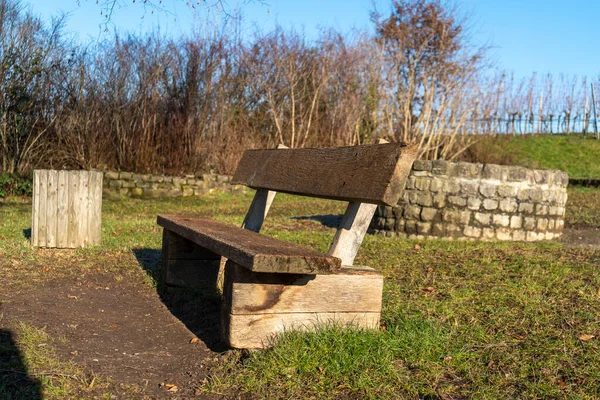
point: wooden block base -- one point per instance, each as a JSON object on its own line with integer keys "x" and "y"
{"x": 257, "y": 306}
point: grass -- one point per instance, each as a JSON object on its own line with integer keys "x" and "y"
{"x": 460, "y": 319}
{"x": 574, "y": 154}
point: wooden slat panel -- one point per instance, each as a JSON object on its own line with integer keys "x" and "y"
{"x": 41, "y": 228}
{"x": 350, "y": 289}
{"x": 368, "y": 174}
{"x": 73, "y": 210}
{"x": 62, "y": 216}
{"x": 95, "y": 207}
{"x": 51, "y": 208}
{"x": 256, "y": 331}
{"x": 35, "y": 204}
{"x": 83, "y": 195}
{"x": 252, "y": 250}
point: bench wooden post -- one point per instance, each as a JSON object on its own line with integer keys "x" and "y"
{"x": 184, "y": 264}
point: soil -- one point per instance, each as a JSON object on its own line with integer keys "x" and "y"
{"x": 138, "y": 340}
{"x": 581, "y": 237}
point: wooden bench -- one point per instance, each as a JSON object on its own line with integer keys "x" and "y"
{"x": 271, "y": 285}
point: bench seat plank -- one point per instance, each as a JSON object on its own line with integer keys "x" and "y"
{"x": 372, "y": 174}
{"x": 258, "y": 253}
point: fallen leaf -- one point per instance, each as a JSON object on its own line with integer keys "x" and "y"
{"x": 194, "y": 340}
{"x": 427, "y": 289}
{"x": 417, "y": 247}
{"x": 173, "y": 388}
{"x": 72, "y": 297}
{"x": 448, "y": 358}
{"x": 586, "y": 337}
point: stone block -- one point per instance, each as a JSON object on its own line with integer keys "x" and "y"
{"x": 472, "y": 232}
{"x": 115, "y": 184}
{"x": 523, "y": 195}
{"x": 526, "y": 208}
{"x": 488, "y": 233}
{"x": 125, "y": 175}
{"x": 410, "y": 182}
{"x": 534, "y": 236}
{"x": 541, "y": 176}
{"x": 488, "y": 190}
{"x": 187, "y": 191}
{"x": 483, "y": 218}
{"x": 128, "y": 184}
{"x": 535, "y": 194}
{"x": 154, "y": 192}
{"x": 541, "y": 209}
{"x": 549, "y": 235}
{"x": 423, "y": 228}
{"x": 123, "y": 191}
{"x": 473, "y": 203}
{"x": 503, "y": 234}
{"x": 420, "y": 173}
{"x": 410, "y": 227}
{"x": 452, "y": 186}
{"x": 223, "y": 178}
{"x": 450, "y": 215}
{"x": 209, "y": 178}
{"x": 516, "y": 222}
{"x": 428, "y": 214}
{"x": 453, "y": 231}
{"x": 520, "y": 174}
{"x": 495, "y": 172}
{"x": 399, "y": 225}
{"x": 465, "y": 217}
{"x": 469, "y": 187}
{"x": 436, "y": 185}
{"x": 412, "y": 212}
{"x": 529, "y": 223}
{"x": 389, "y": 224}
{"x": 111, "y": 175}
{"x": 388, "y": 211}
{"x": 457, "y": 201}
{"x": 469, "y": 170}
{"x": 439, "y": 200}
{"x": 542, "y": 224}
{"x": 507, "y": 190}
{"x": 440, "y": 167}
{"x": 397, "y": 212}
{"x": 422, "y": 183}
{"x": 142, "y": 184}
{"x": 501, "y": 220}
{"x": 137, "y": 191}
{"x": 551, "y": 224}
{"x": 489, "y": 204}
{"x": 156, "y": 178}
{"x": 424, "y": 199}
{"x": 560, "y": 224}
{"x": 380, "y": 223}
{"x": 179, "y": 182}
{"x": 422, "y": 165}
{"x": 438, "y": 229}
{"x": 508, "y": 205}
{"x": 518, "y": 235}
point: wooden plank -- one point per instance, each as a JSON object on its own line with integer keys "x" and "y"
{"x": 368, "y": 174}
{"x": 41, "y": 228}
{"x": 35, "y": 204}
{"x": 351, "y": 289}
{"x": 83, "y": 206}
{"x": 94, "y": 207}
{"x": 62, "y": 217}
{"x": 73, "y": 213}
{"x": 258, "y": 209}
{"x": 351, "y": 232}
{"x": 51, "y": 208}
{"x": 252, "y": 250}
{"x": 257, "y": 331}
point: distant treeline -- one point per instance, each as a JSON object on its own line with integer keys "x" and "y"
{"x": 192, "y": 104}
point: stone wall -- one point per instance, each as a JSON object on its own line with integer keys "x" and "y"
{"x": 477, "y": 201}
{"x": 131, "y": 184}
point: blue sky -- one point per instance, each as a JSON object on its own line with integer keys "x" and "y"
{"x": 527, "y": 35}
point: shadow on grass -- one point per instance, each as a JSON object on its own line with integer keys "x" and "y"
{"x": 329, "y": 220}
{"x": 15, "y": 382}
{"x": 199, "y": 309}
{"x": 27, "y": 233}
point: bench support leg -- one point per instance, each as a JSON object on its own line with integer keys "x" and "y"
{"x": 258, "y": 305}
{"x": 186, "y": 264}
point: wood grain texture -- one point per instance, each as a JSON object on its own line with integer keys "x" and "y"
{"x": 62, "y": 211}
{"x": 368, "y": 174}
{"x": 82, "y": 208}
{"x": 252, "y": 250}
{"x": 51, "y": 208}
{"x": 73, "y": 211}
{"x": 351, "y": 232}
{"x": 348, "y": 290}
{"x": 95, "y": 207}
{"x": 261, "y": 203}
{"x": 41, "y": 231}
{"x": 35, "y": 204}
{"x": 257, "y": 331}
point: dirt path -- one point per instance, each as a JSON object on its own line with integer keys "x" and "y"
{"x": 124, "y": 332}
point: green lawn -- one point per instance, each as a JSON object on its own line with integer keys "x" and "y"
{"x": 460, "y": 319}
{"x": 574, "y": 154}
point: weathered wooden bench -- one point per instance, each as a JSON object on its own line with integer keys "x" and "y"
{"x": 271, "y": 285}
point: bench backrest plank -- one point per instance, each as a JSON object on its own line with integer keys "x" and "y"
{"x": 367, "y": 174}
